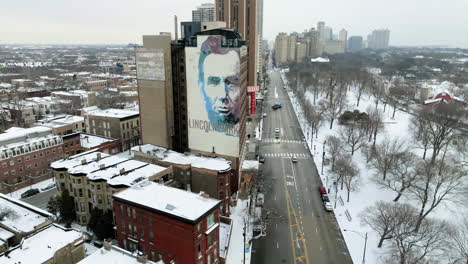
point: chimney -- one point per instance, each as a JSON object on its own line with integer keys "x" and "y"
{"x": 141, "y": 258}
{"x": 204, "y": 195}
{"x": 176, "y": 33}
{"x": 98, "y": 155}
{"x": 83, "y": 161}
{"x": 102, "y": 166}
{"x": 122, "y": 171}
{"x": 107, "y": 243}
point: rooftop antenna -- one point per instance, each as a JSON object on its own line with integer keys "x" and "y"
{"x": 175, "y": 28}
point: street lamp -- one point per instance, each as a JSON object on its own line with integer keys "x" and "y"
{"x": 323, "y": 154}
{"x": 365, "y": 243}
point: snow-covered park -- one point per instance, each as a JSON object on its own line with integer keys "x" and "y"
{"x": 366, "y": 192}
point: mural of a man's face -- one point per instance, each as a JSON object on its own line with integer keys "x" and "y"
{"x": 220, "y": 86}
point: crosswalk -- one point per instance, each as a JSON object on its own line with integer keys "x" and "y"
{"x": 287, "y": 155}
{"x": 274, "y": 140}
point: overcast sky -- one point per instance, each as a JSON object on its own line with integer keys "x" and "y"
{"x": 411, "y": 22}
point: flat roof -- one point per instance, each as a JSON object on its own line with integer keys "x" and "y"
{"x": 92, "y": 141}
{"x": 72, "y": 161}
{"x": 20, "y": 216}
{"x": 164, "y": 154}
{"x": 42, "y": 245}
{"x": 116, "y": 113}
{"x": 173, "y": 202}
{"x": 114, "y": 255}
{"x": 16, "y": 132}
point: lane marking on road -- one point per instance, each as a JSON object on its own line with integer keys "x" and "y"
{"x": 277, "y": 245}
{"x": 276, "y": 226}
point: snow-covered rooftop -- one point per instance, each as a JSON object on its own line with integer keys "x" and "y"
{"x": 168, "y": 200}
{"x": 116, "y": 113}
{"x": 42, "y": 246}
{"x": 16, "y": 132}
{"x": 250, "y": 165}
{"x": 21, "y": 216}
{"x": 91, "y": 141}
{"x": 72, "y": 161}
{"x": 218, "y": 164}
{"x": 5, "y": 234}
{"x": 224, "y": 235}
{"x": 115, "y": 255}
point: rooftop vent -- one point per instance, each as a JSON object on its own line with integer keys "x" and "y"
{"x": 170, "y": 207}
{"x": 83, "y": 161}
{"x": 122, "y": 171}
{"x": 98, "y": 155}
{"x": 102, "y": 166}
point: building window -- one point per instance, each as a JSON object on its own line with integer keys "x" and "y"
{"x": 129, "y": 229}
{"x": 125, "y": 244}
{"x": 152, "y": 255}
{"x": 27, "y": 158}
{"x": 151, "y": 236}
{"x": 199, "y": 251}
{"x": 20, "y": 160}
{"x": 210, "y": 220}
{"x": 128, "y": 212}
{"x": 199, "y": 228}
{"x": 4, "y": 164}
{"x": 142, "y": 234}
{"x": 122, "y": 225}
{"x": 121, "y": 210}
{"x": 150, "y": 220}
{"x": 134, "y": 213}
{"x": 209, "y": 259}
{"x": 135, "y": 231}
{"x": 12, "y": 162}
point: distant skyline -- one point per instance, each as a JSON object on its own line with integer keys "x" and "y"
{"x": 415, "y": 22}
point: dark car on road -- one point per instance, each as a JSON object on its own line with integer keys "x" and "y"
{"x": 261, "y": 159}
{"x": 29, "y": 193}
{"x": 325, "y": 198}
{"x": 276, "y": 106}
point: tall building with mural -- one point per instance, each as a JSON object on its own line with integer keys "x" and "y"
{"x": 216, "y": 71}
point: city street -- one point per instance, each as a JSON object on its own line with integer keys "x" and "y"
{"x": 299, "y": 230}
{"x": 41, "y": 199}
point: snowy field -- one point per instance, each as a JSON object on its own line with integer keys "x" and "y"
{"x": 368, "y": 192}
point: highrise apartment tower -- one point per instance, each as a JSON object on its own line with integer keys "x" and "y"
{"x": 243, "y": 17}
{"x": 379, "y": 39}
{"x": 204, "y": 13}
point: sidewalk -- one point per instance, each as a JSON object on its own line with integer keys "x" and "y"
{"x": 240, "y": 217}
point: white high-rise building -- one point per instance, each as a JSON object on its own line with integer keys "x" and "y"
{"x": 204, "y": 13}
{"x": 378, "y": 39}
{"x": 344, "y": 37}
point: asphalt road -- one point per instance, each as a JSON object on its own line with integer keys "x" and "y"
{"x": 41, "y": 199}
{"x": 299, "y": 230}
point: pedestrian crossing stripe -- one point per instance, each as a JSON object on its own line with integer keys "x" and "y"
{"x": 288, "y": 155}
{"x": 273, "y": 140}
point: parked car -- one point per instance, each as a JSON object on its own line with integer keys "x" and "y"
{"x": 264, "y": 114}
{"x": 48, "y": 187}
{"x": 261, "y": 159}
{"x": 323, "y": 190}
{"x": 325, "y": 198}
{"x": 29, "y": 193}
{"x": 328, "y": 206}
{"x": 294, "y": 159}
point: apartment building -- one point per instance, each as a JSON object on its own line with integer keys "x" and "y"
{"x": 203, "y": 13}
{"x": 93, "y": 177}
{"x": 79, "y": 142}
{"x": 27, "y": 235}
{"x": 115, "y": 123}
{"x": 194, "y": 172}
{"x": 168, "y": 224}
{"x": 64, "y": 124}
{"x": 25, "y": 155}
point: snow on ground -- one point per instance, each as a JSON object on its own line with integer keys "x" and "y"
{"x": 17, "y": 194}
{"x": 368, "y": 192}
{"x": 239, "y": 216}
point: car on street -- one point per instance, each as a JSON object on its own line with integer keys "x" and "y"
{"x": 276, "y": 106}
{"x": 48, "y": 187}
{"x": 328, "y": 206}
{"x": 325, "y": 198}
{"x": 294, "y": 159}
{"x": 322, "y": 190}
{"x": 29, "y": 193}
{"x": 261, "y": 159}
{"x": 264, "y": 114}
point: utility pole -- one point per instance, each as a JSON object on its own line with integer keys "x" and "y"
{"x": 243, "y": 246}
{"x": 364, "y": 255}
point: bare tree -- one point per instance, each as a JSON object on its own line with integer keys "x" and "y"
{"x": 384, "y": 217}
{"x": 421, "y": 134}
{"x": 412, "y": 247}
{"x": 353, "y": 137}
{"x": 316, "y": 120}
{"x": 362, "y": 79}
{"x": 401, "y": 175}
{"x": 335, "y": 147}
{"x": 459, "y": 242}
{"x": 334, "y": 107}
{"x": 343, "y": 166}
{"x": 375, "y": 124}
{"x": 384, "y": 156}
{"x": 435, "y": 183}
{"x": 440, "y": 124}
{"x": 351, "y": 179}
{"x": 366, "y": 150}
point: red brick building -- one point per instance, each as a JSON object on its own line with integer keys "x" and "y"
{"x": 168, "y": 224}
{"x": 79, "y": 142}
{"x": 26, "y": 161}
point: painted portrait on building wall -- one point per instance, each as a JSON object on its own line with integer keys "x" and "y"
{"x": 219, "y": 82}
{"x": 213, "y": 95}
